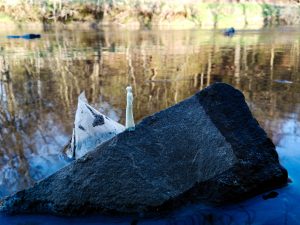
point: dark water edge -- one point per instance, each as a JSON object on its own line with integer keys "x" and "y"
{"x": 41, "y": 79}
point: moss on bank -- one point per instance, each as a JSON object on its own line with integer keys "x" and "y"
{"x": 146, "y": 13}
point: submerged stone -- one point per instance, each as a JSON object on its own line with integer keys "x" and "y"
{"x": 229, "y": 31}
{"x": 207, "y": 148}
{"x": 272, "y": 194}
{"x": 25, "y": 36}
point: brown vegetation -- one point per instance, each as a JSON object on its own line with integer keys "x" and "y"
{"x": 184, "y": 14}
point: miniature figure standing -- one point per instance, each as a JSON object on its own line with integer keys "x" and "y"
{"x": 129, "y": 110}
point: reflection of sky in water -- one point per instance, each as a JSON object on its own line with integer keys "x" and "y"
{"x": 38, "y": 103}
{"x": 289, "y": 144}
{"x": 46, "y": 160}
{"x": 40, "y": 153}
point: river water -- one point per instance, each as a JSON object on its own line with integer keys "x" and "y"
{"x": 41, "y": 79}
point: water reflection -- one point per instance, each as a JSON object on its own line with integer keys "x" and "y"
{"x": 40, "y": 81}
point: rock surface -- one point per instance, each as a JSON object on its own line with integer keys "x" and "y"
{"x": 206, "y": 148}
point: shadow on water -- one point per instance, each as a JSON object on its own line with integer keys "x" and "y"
{"x": 41, "y": 79}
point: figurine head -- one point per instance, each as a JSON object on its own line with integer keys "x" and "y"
{"x": 129, "y": 89}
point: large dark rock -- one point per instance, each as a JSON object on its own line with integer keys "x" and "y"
{"x": 207, "y": 148}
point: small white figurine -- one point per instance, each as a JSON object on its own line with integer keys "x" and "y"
{"x": 129, "y": 110}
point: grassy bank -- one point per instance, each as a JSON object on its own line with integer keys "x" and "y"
{"x": 146, "y": 13}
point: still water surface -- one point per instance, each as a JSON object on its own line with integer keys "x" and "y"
{"x": 41, "y": 79}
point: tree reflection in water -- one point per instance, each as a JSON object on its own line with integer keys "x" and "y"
{"x": 40, "y": 81}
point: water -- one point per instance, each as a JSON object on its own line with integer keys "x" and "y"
{"x": 41, "y": 79}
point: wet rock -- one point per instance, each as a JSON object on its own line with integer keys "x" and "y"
{"x": 207, "y": 148}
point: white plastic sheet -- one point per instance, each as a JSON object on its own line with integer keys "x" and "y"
{"x": 91, "y": 128}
